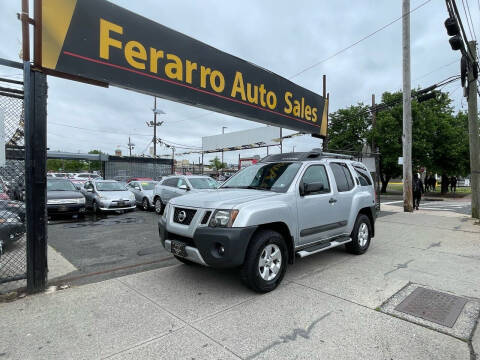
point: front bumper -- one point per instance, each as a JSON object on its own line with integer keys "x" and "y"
{"x": 206, "y": 242}
{"x": 65, "y": 209}
{"x": 108, "y": 205}
{"x": 11, "y": 232}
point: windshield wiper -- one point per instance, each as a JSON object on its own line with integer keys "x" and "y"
{"x": 246, "y": 187}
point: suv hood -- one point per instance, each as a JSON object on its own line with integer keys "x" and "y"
{"x": 221, "y": 198}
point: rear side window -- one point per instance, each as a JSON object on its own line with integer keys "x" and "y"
{"x": 363, "y": 176}
{"x": 170, "y": 182}
{"x": 343, "y": 177}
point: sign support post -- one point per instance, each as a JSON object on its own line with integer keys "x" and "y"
{"x": 35, "y": 105}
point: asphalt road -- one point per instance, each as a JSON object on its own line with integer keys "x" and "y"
{"x": 107, "y": 246}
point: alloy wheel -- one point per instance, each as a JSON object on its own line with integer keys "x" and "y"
{"x": 270, "y": 262}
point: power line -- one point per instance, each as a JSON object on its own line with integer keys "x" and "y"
{"x": 358, "y": 41}
{"x": 466, "y": 16}
{"x": 96, "y": 130}
{"x": 439, "y": 68}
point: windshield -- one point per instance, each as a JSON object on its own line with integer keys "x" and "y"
{"x": 60, "y": 185}
{"x": 203, "y": 183}
{"x": 110, "y": 186}
{"x": 148, "y": 185}
{"x": 272, "y": 176}
{"x": 60, "y": 175}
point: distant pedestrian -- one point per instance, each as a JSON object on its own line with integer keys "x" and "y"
{"x": 434, "y": 183}
{"x": 453, "y": 184}
{"x": 417, "y": 191}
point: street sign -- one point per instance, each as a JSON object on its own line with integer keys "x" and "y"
{"x": 400, "y": 160}
{"x": 100, "y": 41}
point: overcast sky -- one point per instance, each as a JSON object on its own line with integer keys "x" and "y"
{"x": 282, "y": 36}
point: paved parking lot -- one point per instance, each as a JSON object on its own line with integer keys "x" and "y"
{"x": 108, "y": 245}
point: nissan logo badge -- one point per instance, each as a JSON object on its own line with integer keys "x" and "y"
{"x": 182, "y": 215}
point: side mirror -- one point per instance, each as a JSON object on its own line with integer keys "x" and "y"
{"x": 183, "y": 187}
{"x": 311, "y": 188}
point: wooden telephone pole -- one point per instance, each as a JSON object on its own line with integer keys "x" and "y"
{"x": 474, "y": 140}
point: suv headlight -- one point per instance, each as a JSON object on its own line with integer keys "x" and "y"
{"x": 223, "y": 218}
{"x": 81, "y": 200}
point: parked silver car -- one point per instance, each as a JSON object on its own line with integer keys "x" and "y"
{"x": 143, "y": 191}
{"x": 173, "y": 186}
{"x": 107, "y": 195}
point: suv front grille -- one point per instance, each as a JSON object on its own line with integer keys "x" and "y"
{"x": 183, "y": 216}
{"x": 206, "y": 217}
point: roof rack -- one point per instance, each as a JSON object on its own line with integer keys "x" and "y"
{"x": 301, "y": 156}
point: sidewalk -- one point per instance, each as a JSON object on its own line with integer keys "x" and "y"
{"x": 332, "y": 305}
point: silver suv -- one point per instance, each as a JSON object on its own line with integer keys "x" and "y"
{"x": 286, "y": 206}
{"x": 173, "y": 186}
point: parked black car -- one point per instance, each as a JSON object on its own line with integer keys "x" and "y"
{"x": 64, "y": 198}
{"x": 16, "y": 207}
{"x": 12, "y": 229}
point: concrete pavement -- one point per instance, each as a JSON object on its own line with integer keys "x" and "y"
{"x": 332, "y": 305}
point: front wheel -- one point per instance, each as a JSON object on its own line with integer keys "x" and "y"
{"x": 145, "y": 204}
{"x": 159, "y": 206}
{"x": 265, "y": 262}
{"x": 361, "y": 235}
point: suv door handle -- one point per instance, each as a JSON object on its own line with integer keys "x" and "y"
{"x": 332, "y": 201}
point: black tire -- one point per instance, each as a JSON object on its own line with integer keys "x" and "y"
{"x": 356, "y": 246}
{"x": 185, "y": 261}
{"x": 159, "y": 207}
{"x": 95, "y": 208}
{"x": 250, "y": 271}
{"x": 145, "y": 204}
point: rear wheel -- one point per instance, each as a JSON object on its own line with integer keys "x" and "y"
{"x": 159, "y": 206}
{"x": 145, "y": 204}
{"x": 361, "y": 235}
{"x": 265, "y": 262}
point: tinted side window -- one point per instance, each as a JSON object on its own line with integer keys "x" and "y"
{"x": 342, "y": 175}
{"x": 317, "y": 174}
{"x": 363, "y": 176}
{"x": 170, "y": 182}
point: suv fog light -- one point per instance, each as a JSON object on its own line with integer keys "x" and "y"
{"x": 221, "y": 250}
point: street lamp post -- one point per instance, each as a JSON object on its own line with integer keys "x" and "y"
{"x": 223, "y": 132}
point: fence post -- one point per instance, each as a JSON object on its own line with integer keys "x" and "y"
{"x": 35, "y": 85}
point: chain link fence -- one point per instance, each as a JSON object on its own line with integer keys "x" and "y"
{"x": 12, "y": 182}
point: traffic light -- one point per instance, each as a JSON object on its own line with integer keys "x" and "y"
{"x": 453, "y": 30}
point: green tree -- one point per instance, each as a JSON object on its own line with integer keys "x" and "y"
{"x": 95, "y": 165}
{"x": 216, "y": 164}
{"x": 348, "y": 129}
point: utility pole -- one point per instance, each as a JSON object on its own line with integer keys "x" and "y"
{"x": 281, "y": 141}
{"x": 374, "y": 122}
{"x": 173, "y": 160}
{"x": 474, "y": 139}
{"x": 130, "y": 146}
{"x": 407, "y": 111}
{"x": 325, "y": 96}
{"x": 154, "y": 124}
{"x": 223, "y": 132}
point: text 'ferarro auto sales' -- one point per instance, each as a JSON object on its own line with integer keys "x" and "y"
{"x": 157, "y": 61}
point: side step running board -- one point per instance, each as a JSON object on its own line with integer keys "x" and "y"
{"x": 322, "y": 247}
